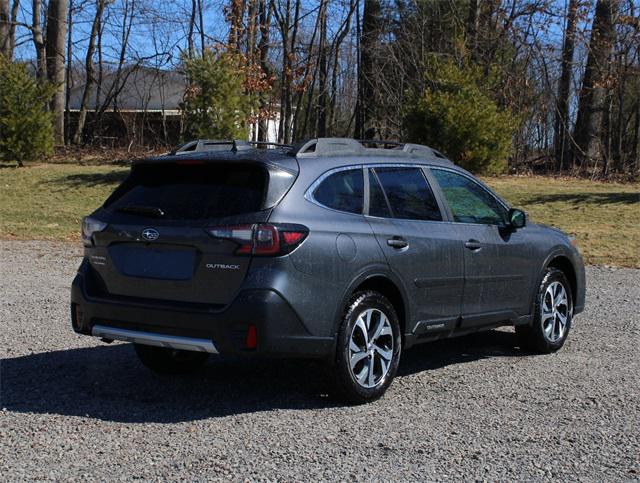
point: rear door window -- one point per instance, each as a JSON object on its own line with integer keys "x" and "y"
{"x": 378, "y": 205}
{"x": 342, "y": 191}
{"x": 190, "y": 192}
{"x": 408, "y": 193}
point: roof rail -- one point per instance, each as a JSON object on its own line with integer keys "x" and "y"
{"x": 420, "y": 149}
{"x": 379, "y": 142}
{"x": 336, "y": 146}
{"x": 235, "y": 145}
{"x": 327, "y": 147}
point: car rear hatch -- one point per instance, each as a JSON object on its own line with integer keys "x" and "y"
{"x": 174, "y": 230}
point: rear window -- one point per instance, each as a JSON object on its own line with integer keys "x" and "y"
{"x": 188, "y": 192}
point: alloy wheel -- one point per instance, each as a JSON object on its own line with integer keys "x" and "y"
{"x": 370, "y": 348}
{"x": 556, "y": 311}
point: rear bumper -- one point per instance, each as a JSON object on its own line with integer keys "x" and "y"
{"x": 280, "y": 333}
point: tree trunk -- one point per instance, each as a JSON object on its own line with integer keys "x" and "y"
{"x": 97, "y": 122}
{"x": 284, "y": 24}
{"x": 38, "y": 40}
{"x": 301, "y": 132}
{"x": 252, "y": 55}
{"x": 288, "y": 111}
{"x": 591, "y": 105}
{"x": 68, "y": 79}
{"x": 323, "y": 73}
{"x": 336, "y": 58}
{"x": 55, "y": 49}
{"x": 236, "y": 15}
{"x": 472, "y": 26}
{"x": 264, "y": 8}
{"x": 201, "y": 26}
{"x": 369, "y": 43}
{"x": 561, "y": 127}
{"x": 8, "y": 27}
{"x": 635, "y": 144}
{"x": 5, "y": 26}
{"x": 252, "y": 30}
{"x": 288, "y": 55}
{"x": 82, "y": 116}
{"x": 12, "y": 27}
{"x": 192, "y": 24}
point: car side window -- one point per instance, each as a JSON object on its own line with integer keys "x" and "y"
{"x": 378, "y": 205}
{"x": 469, "y": 201}
{"x": 410, "y": 196}
{"x": 342, "y": 191}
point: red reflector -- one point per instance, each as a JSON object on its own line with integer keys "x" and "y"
{"x": 292, "y": 237}
{"x": 252, "y": 337}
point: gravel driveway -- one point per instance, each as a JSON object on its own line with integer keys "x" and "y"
{"x": 469, "y": 408}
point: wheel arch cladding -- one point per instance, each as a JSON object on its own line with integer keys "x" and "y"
{"x": 387, "y": 288}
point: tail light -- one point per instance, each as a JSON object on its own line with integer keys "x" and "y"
{"x": 89, "y": 227}
{"x": 262, "y": 239}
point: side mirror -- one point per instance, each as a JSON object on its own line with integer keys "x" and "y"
{"x": 517, "y": 218}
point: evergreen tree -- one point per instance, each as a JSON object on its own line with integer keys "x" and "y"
{"x": 26, "y": 126}
{"x": 216, "y": 104}
{"x": 456, "y": 116}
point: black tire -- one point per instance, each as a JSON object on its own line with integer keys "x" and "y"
{"x": 346, "y": 386}
{"x": 170, "y": 361}
{"x": 533, "y": 337}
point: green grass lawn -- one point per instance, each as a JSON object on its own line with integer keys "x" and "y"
{"x": 603, "y": 216}
{"x": 48, "y": 202}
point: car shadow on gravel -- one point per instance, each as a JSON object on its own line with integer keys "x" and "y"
{"x": 108, "y": 382}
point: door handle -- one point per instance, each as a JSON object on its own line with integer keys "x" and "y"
{"x": 473, "y": 244}
{"x": 397, "y": 242}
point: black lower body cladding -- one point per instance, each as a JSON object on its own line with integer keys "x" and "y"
{"x": 278, "y": 328}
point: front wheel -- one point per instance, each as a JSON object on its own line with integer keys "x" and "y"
{"x": 164, "y": 360}
{"x": 552, "y": 316}
{"x": 369, "y": 346}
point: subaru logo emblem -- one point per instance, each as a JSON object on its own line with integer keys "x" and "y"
{"x": 150, "y": 234}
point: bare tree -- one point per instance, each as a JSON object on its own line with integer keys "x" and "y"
{"x": 38, "y": 39}
{"x": 561, "y": 128}
{"x": 594, "y": 85}
{"x": 288, "y": 26}
{"x": 264, "y": 12}
{"x": 366, "y": 125}
{"x": 337, "y": 44}
{"x": 192, "y": 23}
{"x": 201, "y": 25}
{"x": 323, "y": 67}
{"x": 90, "y": 72}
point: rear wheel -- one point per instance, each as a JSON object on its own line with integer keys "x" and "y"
{"x": 369, "y": 346}
{"x": 552, "y": 315}
{"x": 170, "y": 361}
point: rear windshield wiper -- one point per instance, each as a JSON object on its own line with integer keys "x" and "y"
{"x": 152, "y": 211}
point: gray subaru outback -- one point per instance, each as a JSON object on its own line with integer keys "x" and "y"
{"x": 329, "y": 249}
